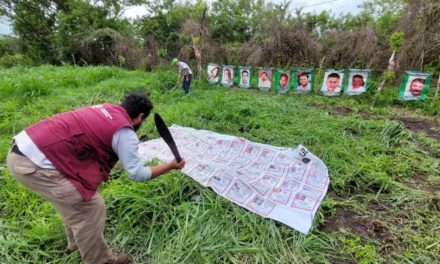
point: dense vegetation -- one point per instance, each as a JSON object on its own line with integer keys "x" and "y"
{"x": 239, "y": 32}
{"x": 382, "y": 205}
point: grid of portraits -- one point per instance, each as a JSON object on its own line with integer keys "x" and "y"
{"x": 415, "y": 85}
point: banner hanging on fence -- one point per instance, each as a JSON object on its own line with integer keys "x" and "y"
{"x": 282, "y": 81}
{"x": 332, "y": 82}
{"x": 244, "y": 76}
{"x": 283, "y": 184}
{"x": 213, "y": 73}
{"x": 303, "y": 82}
{"x": 415, "y": 85}
{"x": 358, "y": 81}
{"x": 228, "y": 75}
{"x": 264, "y": 79}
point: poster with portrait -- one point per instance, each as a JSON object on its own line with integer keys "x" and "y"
{"x": 415, "y": 85}
{"x": 213, "y": 73}
{"x": 264, "y": 79}
{"x": 303, "y": 81}
{"x": 227, "y": 75}
{"x": 244, "y": 77}
{"x": 282, "y": 81}
{"x": 332, "y": 82}
{"x": 358, "y": 81}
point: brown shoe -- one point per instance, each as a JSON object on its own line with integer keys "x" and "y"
{"x": 118, "y": 259}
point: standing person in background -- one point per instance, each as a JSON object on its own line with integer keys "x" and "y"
{"x": 184, "y": 70}
{"x": 65, "y": 158}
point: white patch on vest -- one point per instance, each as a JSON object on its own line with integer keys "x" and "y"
{"x": 103, "y": 110}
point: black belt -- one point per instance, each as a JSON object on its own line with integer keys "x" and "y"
{"x": 16, "y": 150}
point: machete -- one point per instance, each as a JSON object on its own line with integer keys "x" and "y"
{"x": 166, "y": 135}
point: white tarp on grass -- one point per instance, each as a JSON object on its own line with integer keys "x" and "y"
{"x": 284, "y": 184}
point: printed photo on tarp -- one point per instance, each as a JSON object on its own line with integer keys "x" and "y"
{"x": 264, "y": 79}
{"x": 282, "y": 81}
{"x": 280, "y": 183}
{"x": 228, "y": 75}
{"x": 332, "y": 83}
{"x": 244, "y": 77}
{"x": 357, "y": 81}
{"x": 415, "y": 85}
{"x": 303, "y": 82}
{"x": 213, "y": 73}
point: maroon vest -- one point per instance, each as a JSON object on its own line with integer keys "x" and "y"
{"x": 79, "y": 143}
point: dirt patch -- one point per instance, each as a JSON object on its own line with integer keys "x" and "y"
{"x": 431, "y": 128}
{"x": 419, "y": 182}
{"x": 334, "y": 110}
{"x": 362, "y": 226}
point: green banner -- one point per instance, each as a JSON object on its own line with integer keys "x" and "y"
{"x": 264, "y": 79}
{"x": 213, "y": 73}
{"x": 282, "y": 81}
{"x": 244, "y": 77}
{"x": 227, "y": 75}
{"x": 415, "y": 85}
{"x": 332, "y": 82}
{"x": 303, "y": 80}
{"x": 357, "y": 82}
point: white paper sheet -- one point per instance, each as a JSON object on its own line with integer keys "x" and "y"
{"x": 283, "y": 184}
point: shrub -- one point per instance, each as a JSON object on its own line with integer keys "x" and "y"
{"x": 9, "y": 61}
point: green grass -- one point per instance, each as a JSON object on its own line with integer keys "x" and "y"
{"x": 382, "y": 205}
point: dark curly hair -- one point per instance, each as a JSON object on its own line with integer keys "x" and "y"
{"x": 137, "y": 103}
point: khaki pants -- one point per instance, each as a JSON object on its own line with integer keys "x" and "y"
{"x": 83, "y": 220}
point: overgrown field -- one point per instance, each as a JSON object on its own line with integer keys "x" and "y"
{"x": 383, "y": 203}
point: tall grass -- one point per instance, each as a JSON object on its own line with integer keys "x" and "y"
{"x": 383, "y": 173}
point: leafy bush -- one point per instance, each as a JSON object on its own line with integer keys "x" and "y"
{"x": 9, "y": 61}
{"x": 164, "y": 80}
{"x": 9, "y": 45}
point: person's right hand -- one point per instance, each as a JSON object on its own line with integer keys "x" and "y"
{"x": 177, "y": 165}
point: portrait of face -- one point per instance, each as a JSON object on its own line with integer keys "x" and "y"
{"x": 300, "y": 196}
{"x": 264, "y": 77}
{"x": 214, "y": 72}
{"x": 283, "y": 80}
{"x": 244, "y": 77}
{"x": 332, "y": 82}
{"x": 357, "y": 81}
{"x": 227, "y": 74}
{"x": 303, "y": 80}
{"x": 416, "y": 86}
